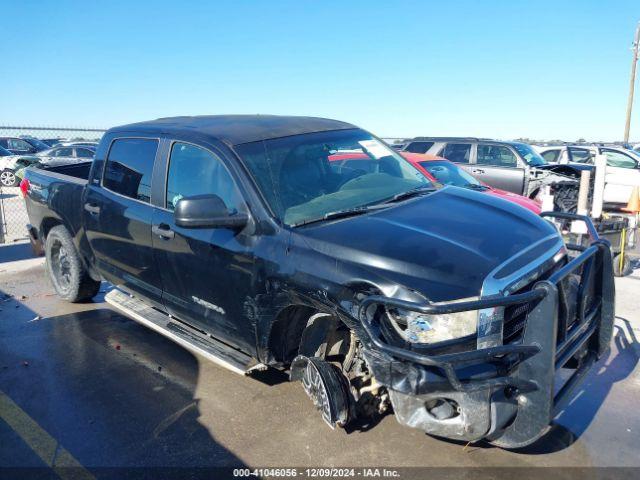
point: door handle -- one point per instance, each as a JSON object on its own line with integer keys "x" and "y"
{"x": 163, "y": 231}
{"x": 477, "y": 170}
{"x": 92, "y": 208}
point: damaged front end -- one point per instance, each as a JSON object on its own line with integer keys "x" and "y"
{"x": 533, "y": 319}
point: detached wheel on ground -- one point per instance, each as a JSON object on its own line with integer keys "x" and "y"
{"x": 8, "y": 178}
{"x": 625, "y": 269}
{"x": 66, "y": 272}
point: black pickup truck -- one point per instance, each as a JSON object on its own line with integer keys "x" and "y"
{"x": 241, "y": 239}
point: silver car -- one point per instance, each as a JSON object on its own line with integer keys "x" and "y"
{"x": 61, "y": 155}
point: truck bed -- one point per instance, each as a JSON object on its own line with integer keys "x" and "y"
{"x": 55, "y": 196}
{"x": 76, "y": 170}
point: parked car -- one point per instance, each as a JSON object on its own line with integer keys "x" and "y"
{"x": 22, "y": 146}
{"x": 623, "y": 167}
{"x": 445, "y": 172}
{"x": 511, "y": 166}
{"x": 53, "y": 156}
{"x": 436, "y": 169}
{"x": 234, "y": 237}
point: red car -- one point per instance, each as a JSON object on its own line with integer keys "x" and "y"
{"x": 437, "y": 169}
{"x": 447, "y": 173}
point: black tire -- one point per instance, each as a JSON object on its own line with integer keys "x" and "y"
{"x": 66, "y": 272}
{"x": 626, "y": 269}
{"x": 8, "y": 178}
{"x": 565, "y": 198}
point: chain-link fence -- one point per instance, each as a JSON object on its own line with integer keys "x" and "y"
{"x": 20, "y": 144}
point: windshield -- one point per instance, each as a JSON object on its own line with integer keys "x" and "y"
{"x": 304, "y": 177}
{"x": 530, "y": 156}
{"x": 447, "y": 173}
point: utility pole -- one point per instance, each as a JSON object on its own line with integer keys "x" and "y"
{"x": 632, "y": 82}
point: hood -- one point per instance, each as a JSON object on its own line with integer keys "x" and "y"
{"x": 443, "y": 245}
{"x": 525, "y": 202}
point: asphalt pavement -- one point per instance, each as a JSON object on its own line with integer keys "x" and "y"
{"x": 83, "y": 386}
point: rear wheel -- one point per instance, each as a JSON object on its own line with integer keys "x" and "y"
{"x": 66, "y": 272}
{"x": 8, "y": 178}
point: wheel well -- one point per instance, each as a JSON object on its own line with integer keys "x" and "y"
{"x": 46, "y": 226}
{"x": 286, "y": 332}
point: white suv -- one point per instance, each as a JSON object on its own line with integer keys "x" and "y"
{"x": 623, "y": 166}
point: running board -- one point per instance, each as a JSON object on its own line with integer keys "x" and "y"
{"x": 191, "y": 339}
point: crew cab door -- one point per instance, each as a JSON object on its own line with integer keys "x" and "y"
{"x": 207, "y": 273}
{"x": 623, "y": 173}
{"x": 117, "y": 214}
{"x": 498, "y": 166}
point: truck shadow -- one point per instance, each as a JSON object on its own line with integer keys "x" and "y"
{"x": 121, "y": 397}
{"x": 581, "y": 409}
{"x": 585, "y": 403}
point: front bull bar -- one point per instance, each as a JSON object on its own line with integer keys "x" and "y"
{"x": 547, "y": 345}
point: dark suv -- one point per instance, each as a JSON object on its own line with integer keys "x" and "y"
{"x": 511, "y": 166}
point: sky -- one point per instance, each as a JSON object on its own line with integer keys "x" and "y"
{"x": 502, "y": 69}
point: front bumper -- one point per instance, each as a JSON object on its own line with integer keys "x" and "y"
{"x": 505, "y": 393}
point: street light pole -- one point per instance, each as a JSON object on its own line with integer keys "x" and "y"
{"x": 636, "y": 43}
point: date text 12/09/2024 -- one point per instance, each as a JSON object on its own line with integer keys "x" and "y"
{"x": 317, "y": 472}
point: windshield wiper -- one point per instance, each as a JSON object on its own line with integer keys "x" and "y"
{"x": 349, "y": 212}
{"x": 410, "y": 193}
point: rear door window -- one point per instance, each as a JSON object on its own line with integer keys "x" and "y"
{"x": 457, "y": 152}
{"x": 129, "y": 167}
{"x": 84, "y": 153}
{"x": 419, "y": 147}
{"x": 64, "y": 152}
{"x": 497, "y": 156}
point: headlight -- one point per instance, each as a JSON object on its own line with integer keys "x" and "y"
{"x": 417, "y": 327}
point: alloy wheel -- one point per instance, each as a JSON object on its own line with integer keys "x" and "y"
{"x": 7, "y": 178}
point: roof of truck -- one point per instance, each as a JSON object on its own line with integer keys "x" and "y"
{"x": 238, "y": 129}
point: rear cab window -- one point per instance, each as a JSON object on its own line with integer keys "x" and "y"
{"x": 129, "y": 167}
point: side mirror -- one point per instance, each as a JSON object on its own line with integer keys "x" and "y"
{"x": 207, "y": 211}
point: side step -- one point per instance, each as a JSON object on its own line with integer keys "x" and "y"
{"x": 191, "y": 339}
